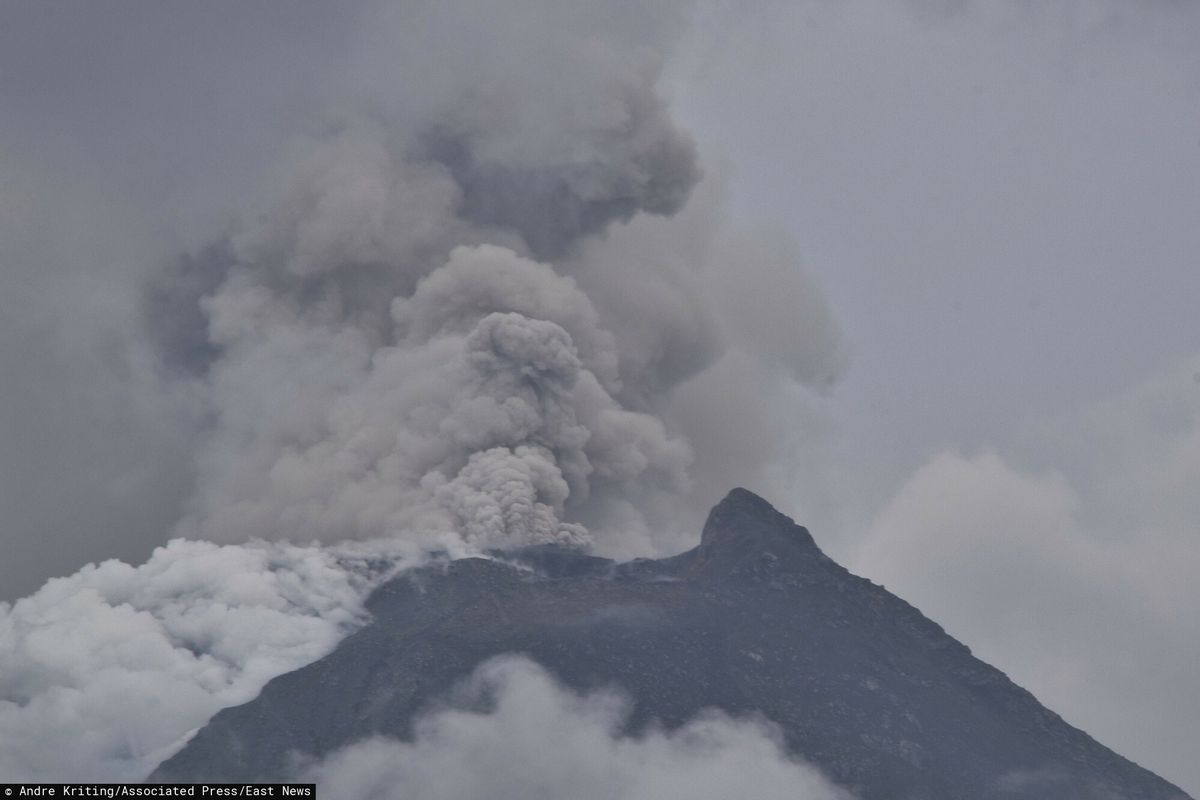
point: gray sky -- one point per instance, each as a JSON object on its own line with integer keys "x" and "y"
{"x": 1000, "y": 201}
{"x": 997, "y": 201}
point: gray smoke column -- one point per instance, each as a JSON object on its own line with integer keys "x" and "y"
{"x": 400, "y": 344}
{"x": 473, "y": 309}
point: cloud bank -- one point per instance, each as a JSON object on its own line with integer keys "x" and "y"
{"x": 1066, "y": 578}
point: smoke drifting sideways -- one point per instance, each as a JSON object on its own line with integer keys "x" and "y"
{"x": 105, "y": 673}
{"x": 526, "y": 736}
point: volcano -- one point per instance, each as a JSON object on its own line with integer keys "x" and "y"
{"x": 755, "y": 621}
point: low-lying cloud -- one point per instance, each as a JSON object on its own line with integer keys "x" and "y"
{"x": 535, "y": 738}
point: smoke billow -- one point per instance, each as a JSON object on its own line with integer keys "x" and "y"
{"x": 106, "y": 672}
{"x": 416, "y": 338}
{"x": 470, "y": 312}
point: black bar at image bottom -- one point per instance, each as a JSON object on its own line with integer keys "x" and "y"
{"x": 110, "y": 790}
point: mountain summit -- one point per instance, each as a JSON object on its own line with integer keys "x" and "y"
{"x": 756, "y": 620}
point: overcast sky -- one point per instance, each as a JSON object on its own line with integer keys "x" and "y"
{"x": 998, "y": 202}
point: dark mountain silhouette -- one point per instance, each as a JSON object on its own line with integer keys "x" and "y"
{"x": 755, "y": 620}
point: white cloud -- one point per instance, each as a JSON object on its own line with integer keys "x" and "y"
{"x": 106, "y": 672}
{"x": 1078, "y": 583}
{"x": 539, "y": 739}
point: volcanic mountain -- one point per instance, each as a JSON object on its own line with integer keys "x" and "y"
{"x": 756, "y": 620}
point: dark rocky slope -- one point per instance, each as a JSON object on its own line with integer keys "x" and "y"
{"x": 756, "y": 620}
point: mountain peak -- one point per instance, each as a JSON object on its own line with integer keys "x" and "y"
{"x": 741, "y": 497}
{"x": 748, "y": 523}
{"x": 756, "y": 621}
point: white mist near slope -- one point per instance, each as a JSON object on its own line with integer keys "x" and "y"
{"x": 539, "y": 739}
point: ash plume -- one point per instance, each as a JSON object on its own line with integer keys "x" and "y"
{"x": 428, "y": 333}
{"x": 472, "y": 310}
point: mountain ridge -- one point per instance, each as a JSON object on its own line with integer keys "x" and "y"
{"x": 755, "y": 619}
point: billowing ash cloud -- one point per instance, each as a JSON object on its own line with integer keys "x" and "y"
{"x": 105, "y": 673}
{"x": 471, "y": 310}
{"x": 535, "y": 738}
{"x": 447, "y": 324}
{"x": 490, "y": 407}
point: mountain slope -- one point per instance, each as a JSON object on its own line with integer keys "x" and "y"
{"x": 755, "y": 620}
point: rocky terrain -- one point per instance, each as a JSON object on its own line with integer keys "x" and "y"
{"x": 756, "y": 620}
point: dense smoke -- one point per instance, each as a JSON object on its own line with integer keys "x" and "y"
{"x": 105, "y": 673}
{"x": 418, "y": 338}
{"x": 491, "y": 406}
{"x": 534, "y": 738}
{"x": 469, "y": 310}
{"x": 1001, "y": 196}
